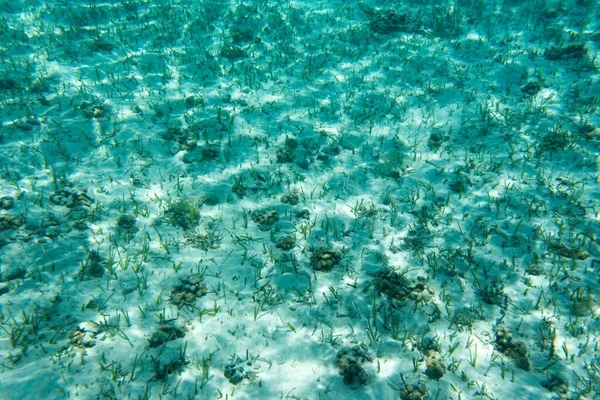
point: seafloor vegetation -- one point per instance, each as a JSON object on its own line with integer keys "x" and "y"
{"x": 272, "y": 199}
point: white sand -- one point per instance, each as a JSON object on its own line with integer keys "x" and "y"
{"x": 131, "y": 107}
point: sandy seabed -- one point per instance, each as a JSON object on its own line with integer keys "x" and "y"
{"x": 299, "y": 200}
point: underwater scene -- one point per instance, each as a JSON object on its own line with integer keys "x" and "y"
{"x": 300, "y": 200}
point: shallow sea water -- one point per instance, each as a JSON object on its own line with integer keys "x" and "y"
{"x": 299, "y": 200}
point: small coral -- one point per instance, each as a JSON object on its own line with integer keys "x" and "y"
{"x": 71, "y": 198}
{"x": 324, "y": 259}
{"x": 187, "y": 290}
{"x": 304, "y": 214}
{"x": 435, "y": 368}
{"x": 83, "y": 336}
{"x": 428, "y": 344}
{"x": 235, "y": 370}
{"x": 165, "y": 333}
{"x": 94, "y": 109}
{"x": 287, "y": 243}
{"x": 126, "y": 224}
{"x": 350, "y": 360}
{"x": 410, "y": 391}
{"x": 515, "y": 350}
{"x": 392, "y": 284}
{"x": 265, "y": 218}
{"x": 421, "y": 292}
{"x": 531, "y": 88}
{"x": 290, "y": 198}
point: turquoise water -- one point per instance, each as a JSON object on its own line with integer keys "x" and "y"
{"x": 299, "y": 200}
